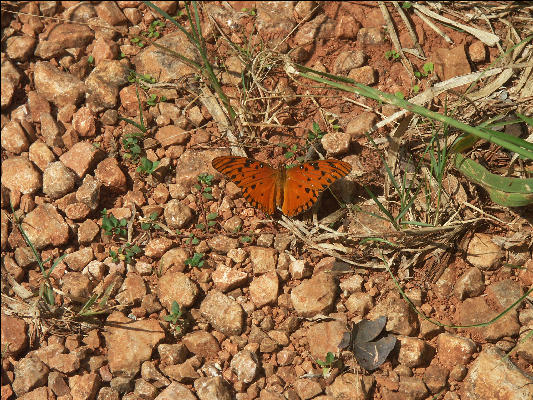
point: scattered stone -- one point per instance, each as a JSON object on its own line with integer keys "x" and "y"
{"x": 314, "y": 296}
{"x": 413, "y": 387}
{"x": 352, "y": 284}
{"x": 186, "y": 372}
{"x": 132, "y": 291}
{"x": 263, "y": 259}
{"x": 492, "y": 372}
{"x": 157, "y": 247}
{"x": 77, "y": 286}
{"x": 172, "y": 353}
{"x": 347, "y": 27}
{"x": 212, "y": 388}
{"x": 348, "y": 386}
{"x": 453, "y": 349}
{"x": 477, "y": 51}
{"x": 504, "y": 293}
{"x": 222, "y": 244}
{"x": 264, "y": 289}
{"x": 202, "y": 344}
{"x": 84, "y": 386}
{"x": 470, "y": 284}
{"x": 79, "y": 259}
{"x": 226, "y": 278}
{"x": 413, "y": 352}
{"x": 45, "y": 226}
{"x": 300, "y": 269}
{"x": 20, "y": 47}
{"x": 41, "y": 155}
{"x": 223, "y": 313}
{"x": 19, "y": 174}
{"x": 176, "y": 286}
{"x": 13, "y": 137}
{"x": 103, "y": 84}
{"x": 142, "y": 335}
{"x": 336, "y": 142}
{"x": 483, "y": 252}
{"x": 176, "y": 391}
{"x": 58, "y": 180}
{"x": 359, "y": 303}
{"x": 307, "y": 388}
{"x": 177, "y": 215}
{"x": 371, "y": 36}
{"x": 171, "y": 135}
{"x": 365, "y": 75}
{"x": 325, "y": 337}
{"x": 59, "y": 88}
{"x": 401, "y": 319}
{"x": 245, "y": 365}
{"x": 29, "y": 374}
{"x": 82, "y": 158}
{"x": 14, "y": 335}
{"x": 108, "y": 172}
{"x": 476, "y": 310}
{"x": 362, "y": 123}
{"x": 435, "y": 377}
{"x": 84, "y": 123}
{"x": 450, "y": 63}
{"x": 174, "y": 260}
{"x": 87, "y": 231}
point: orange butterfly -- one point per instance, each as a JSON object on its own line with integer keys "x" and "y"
{"x": 294, "y": 190}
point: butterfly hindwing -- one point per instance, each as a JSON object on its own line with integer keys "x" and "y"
{"x": 305, "y": 182}
{"x": 256, "y": 179}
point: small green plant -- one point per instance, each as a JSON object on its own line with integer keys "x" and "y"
{"x": 327, "y": 364}
{"x": 135, "y": 77}
{"x": 90, "y": 59}
{"x": 407, "y": 5}
{"x": 205, "y": 181}
{"x": 147, "y": 167}
{"x": 130, "y": 143}
{"x": 195, "y": 260}
{"x": 152, "y": 29}
{"x": 175, "y": 317}
{"x": 153, "y": 100}
{"x": 251, "y": 11}
{"x": 125, "y": 253}
{"x": 146, "y": 226}
{"x": 246, "y": 239}
{"x": 315, "y": 133}
{"x": 427, "y": 69}
{"x": 392, "y": 55}
{"x": 399, "y": 95}
{"x": 211, "y": 217}
{"x": 192, "y": 240}
{"x": 137, "y": 41}
{"x": 113, "y": 226}
{"x": 290, "y": 153}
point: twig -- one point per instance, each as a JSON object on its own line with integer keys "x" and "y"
{"x": 488, "y": 38}
{"x": 433, "y": 26}
{"x": 410, "y": 29}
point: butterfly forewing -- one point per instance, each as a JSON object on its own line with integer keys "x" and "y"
{"x": 305, "y": 182}
{"x": 257, "y": 180}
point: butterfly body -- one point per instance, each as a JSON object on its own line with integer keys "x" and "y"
{"x": 294, "y": 190}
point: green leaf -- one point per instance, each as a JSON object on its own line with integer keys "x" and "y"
{"x": 212, "y": 216}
